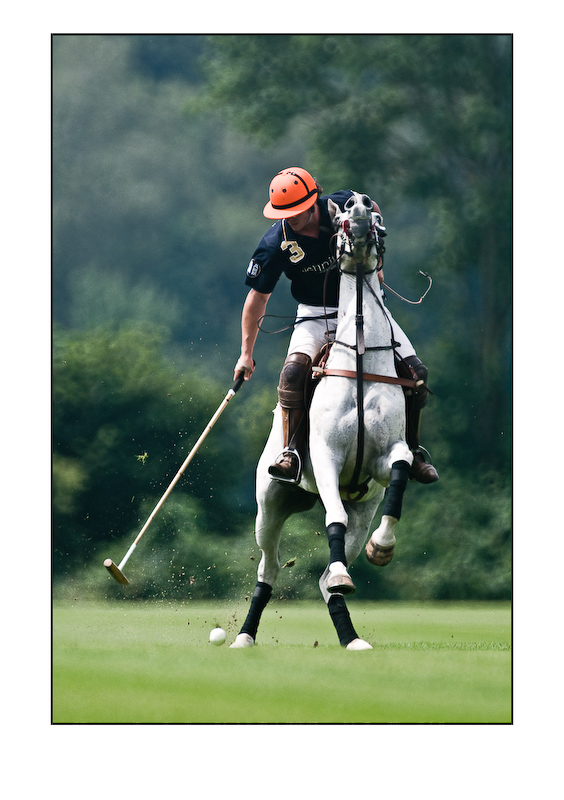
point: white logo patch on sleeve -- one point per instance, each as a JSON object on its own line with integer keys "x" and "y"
{"x": 253, "y": 269}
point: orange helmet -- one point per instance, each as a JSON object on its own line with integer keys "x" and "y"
{"x": 292, "y": 191}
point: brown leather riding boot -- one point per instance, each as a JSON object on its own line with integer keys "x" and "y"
{"x": 288, "y": 465}
{"x": 421, "y": 470}
{"x": 416, "y": 400}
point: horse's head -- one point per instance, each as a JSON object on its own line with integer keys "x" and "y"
{"x": 359, "y": 231}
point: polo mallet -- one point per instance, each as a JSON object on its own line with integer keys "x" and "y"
{"x": 116, "y": 570}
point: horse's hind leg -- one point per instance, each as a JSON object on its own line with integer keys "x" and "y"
{"x": 268, "y": 539}
{"x": 276, "y": 503}
{"x": 248, "y": 633}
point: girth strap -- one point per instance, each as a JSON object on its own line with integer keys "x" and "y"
{"x": 321, "y": 372}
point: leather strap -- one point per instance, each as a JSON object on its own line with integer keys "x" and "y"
{"x": 367, "y": 376}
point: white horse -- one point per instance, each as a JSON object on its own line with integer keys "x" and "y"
{"x": 348, "y": 471}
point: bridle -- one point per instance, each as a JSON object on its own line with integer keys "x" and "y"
{"x": 354, "y": 488}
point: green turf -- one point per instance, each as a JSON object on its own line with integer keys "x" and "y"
{"x": 151, "y": 663}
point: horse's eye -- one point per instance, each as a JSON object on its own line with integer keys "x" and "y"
{"x": 350, "y": 202}
{"x": 367, "y": 201}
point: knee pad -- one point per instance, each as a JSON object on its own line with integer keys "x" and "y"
{"x": 418, "y": 367}
{"x": 292, "y": 380}
{"x": 420, "y": 395}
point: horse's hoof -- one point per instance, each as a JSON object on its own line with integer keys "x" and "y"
{"x": 243, "y": 640}
{"x": 379, "y": 555}
{"x": 340, "y": 584}
{"x": 359, "y": 644}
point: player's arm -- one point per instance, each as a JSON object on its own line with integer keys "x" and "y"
{"x": 253, "y": 310}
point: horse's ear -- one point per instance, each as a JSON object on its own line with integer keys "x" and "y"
{"x": 333, "y": 208}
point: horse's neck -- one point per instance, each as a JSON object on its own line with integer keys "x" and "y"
{"x": 377, "y": 329}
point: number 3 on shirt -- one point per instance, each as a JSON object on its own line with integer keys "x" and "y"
{"x": 296, "y": 252}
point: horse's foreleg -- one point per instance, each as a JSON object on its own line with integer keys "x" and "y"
{"x": 341, "y": 618}
{"x": 336, "y": 518}
{"x": 360, "y": 516}
{"x": 380, "y": 546}
{"x": 336, "y": 579}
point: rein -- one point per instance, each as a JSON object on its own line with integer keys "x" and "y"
{"x": 295, "y": 321}
{"x": 360, "y": 350}
{"x": 360, "y": 376}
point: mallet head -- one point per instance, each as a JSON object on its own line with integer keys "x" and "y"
{"x": 115, "y": 571}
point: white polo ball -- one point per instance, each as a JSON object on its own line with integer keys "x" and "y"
{"x": 217, "y": 636}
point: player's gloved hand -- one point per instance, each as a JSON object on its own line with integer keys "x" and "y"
{"x": 242, "y": 366}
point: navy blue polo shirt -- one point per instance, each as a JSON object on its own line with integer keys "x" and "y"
{"x": 303, "y": 259}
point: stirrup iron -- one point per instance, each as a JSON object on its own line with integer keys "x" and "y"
{"x": 281, "y": 479}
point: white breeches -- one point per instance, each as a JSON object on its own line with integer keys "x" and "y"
{"x": 310, "y": 336}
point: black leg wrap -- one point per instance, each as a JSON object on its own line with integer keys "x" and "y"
{"x": 259, "y": 600}
{"x": 394, "y": 496}
{"x": 336, "y": 539}
{"x": 341, "y": 619}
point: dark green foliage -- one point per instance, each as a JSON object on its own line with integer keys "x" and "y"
{"x": 124, "y": 420}
{"x": 168, "y": 56}
{"x": 454, "y": 542}
{"x": 163, "y": 147}
{"x": 149, "y": 221}
{"x": 426, "y": 118}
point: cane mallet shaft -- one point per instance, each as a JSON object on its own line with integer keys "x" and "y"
{"x": 116, "y": 571}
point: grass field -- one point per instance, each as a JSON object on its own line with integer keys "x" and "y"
{"x": 152, "y": 663}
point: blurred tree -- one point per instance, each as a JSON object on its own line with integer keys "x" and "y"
{"x": 429, "y": 118}
{"x": 103, "y": 297}
{"x": 156, "y": 210}
{"x": 148, "y": 197}
{"x": 168, "y": 56}
{"x": 124, "y": 420}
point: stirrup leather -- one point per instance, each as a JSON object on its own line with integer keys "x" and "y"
{"x": 280, "y": 477}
